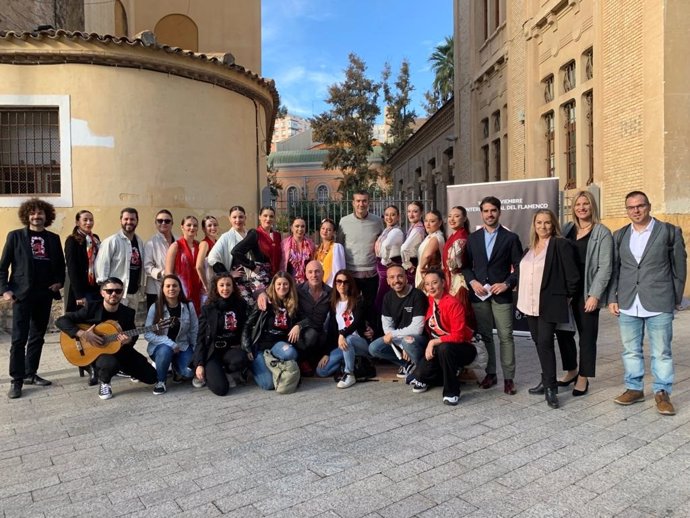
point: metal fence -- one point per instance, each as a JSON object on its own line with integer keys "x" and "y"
{"x": 314, "y": 212}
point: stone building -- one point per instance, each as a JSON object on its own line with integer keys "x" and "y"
{"x": 595, "y": 93}
{"x": 152, "y": 103}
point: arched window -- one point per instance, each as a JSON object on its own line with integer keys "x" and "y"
{"x": 178, "y": 30}
{"x": 292, "y": 196}
{"x": 322, "y": 194}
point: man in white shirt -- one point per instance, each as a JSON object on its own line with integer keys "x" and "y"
{"x": 647, "y": 283}
{"x": 121, "y": 256}
{"x": 155, "y": 251}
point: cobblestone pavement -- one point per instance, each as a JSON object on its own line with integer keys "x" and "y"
{"x": 375, "y": 449}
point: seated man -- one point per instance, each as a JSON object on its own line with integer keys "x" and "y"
{"x": 127, "y": 359}
{"x": 402, "y": 318}
{"x": 314, "y": 305}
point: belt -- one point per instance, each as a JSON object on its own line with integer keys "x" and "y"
{"x": 222, "y": 344}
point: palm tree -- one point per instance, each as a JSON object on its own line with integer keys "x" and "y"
{"x": 442, "y": 64}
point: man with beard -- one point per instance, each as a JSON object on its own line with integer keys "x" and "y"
{"x": 155, "y": 251}
{"x": 402, "y": 317}
{"x": 313, "y": 308}
{"x": 38, "y": 272}
{"x": 121, "y": 256}
{"x": 126, "y": 359}
{"x": 491, "y": 270}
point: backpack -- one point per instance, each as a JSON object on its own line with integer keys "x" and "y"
{"x": 285, "y": 373}
{"x": 364, "y": 368}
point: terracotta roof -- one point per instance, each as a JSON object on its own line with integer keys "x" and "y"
{"x": 147, "y": 40}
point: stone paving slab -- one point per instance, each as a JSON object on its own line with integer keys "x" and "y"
{"x": 373, "y": 450}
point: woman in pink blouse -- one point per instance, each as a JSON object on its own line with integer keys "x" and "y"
{"x": 297, "y": 250}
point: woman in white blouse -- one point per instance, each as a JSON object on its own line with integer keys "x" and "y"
{"x": 414, "y": 237}
{"x": 429, "y": 252}
{"x": 387, "y": 249}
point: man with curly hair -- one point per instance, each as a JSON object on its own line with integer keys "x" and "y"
{"x": 34, "y": 256}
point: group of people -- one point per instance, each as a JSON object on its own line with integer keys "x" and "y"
{"x": 415, "y": 298}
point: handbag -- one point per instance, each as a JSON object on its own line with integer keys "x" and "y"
{"x": 285, "y": 373}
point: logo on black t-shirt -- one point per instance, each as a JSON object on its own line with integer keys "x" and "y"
{"x": 280, "y": 321}
{"x": 230, "y": 321}
{"x": 135, "y": 260}
{"x": 38, "y": 248}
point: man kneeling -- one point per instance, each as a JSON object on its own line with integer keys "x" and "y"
{"x": 127, "y": 359}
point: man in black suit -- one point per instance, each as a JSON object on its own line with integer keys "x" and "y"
{"x": 493, "y": 259}
{"x": 38, "y": 272}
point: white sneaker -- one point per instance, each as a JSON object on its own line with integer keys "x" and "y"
{"x": 159, "y": 388}
{"x": 418, "y": 387}
{"x": 197, "y": 383}
{"x": 105, "y": 391}
{"x": 451, "y": 400}
{"x": 347, "y": 381}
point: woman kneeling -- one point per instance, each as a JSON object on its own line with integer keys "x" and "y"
{"x": 448, "y": 350}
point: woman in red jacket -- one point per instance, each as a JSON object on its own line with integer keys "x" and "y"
{"x": 449, "y": 348}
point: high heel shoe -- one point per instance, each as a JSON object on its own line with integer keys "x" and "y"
{"x": 568, "y": 382}
{"x": 577, "y": 393}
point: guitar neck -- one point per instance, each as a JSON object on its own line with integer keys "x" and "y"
{"x": 133, "y": 332}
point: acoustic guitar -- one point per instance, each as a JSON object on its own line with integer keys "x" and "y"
{"x": 81, "y": 352}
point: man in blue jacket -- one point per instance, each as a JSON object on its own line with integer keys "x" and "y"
{"x": 32, "y": 271}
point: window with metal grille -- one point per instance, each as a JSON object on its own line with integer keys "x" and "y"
{"x": 29, "y": 151}
{"x": 485, "y": 158}
{"x": 485, "y": 128}
{"x": 292, "y": 196}
{"x": 548, "y": 88}
{"x": 568, "y": 73}
{"x": 589, "y": 107}
{"x": 550, "y": 145}
{"x": 497, "y": 160}
{"x": 589, "y": 64}
{"x": 496, "y": 116}
{"x": 322, "y": 194}
{"x": 570, "y": 145}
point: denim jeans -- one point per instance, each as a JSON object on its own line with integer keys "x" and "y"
{"x": 356, "y": 346}
{"x": 262, "y": 376}
{"x": 414, "y": 349}
{"x": 660, "y": 331}
{"x": 163, "y": 356}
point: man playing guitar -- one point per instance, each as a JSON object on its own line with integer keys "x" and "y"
{"x": 127, "y": 359}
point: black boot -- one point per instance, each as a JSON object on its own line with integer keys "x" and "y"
{"x": 15, "y": 390}
{"x": 551, "y": 396}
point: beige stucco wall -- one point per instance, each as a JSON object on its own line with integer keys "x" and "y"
{"x": 224, "y": 26}
{"x": 148, "y": 139}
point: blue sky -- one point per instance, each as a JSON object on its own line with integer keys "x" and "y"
{"x": 305, "y": 44}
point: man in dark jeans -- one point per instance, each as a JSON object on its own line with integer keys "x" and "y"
{"x": 127, "y": 359}
{"x": 38, "y": 272}
{"x": 314, "y": 306}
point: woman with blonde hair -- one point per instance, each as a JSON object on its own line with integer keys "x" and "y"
{"x": 594, "y": 246}
{"x": 413, "y": 238}
{"x": 330, "y": 254}
{"x": 548, "y": 279}
{"x": 273, "y": 329}
{"x": 209, "y": 225}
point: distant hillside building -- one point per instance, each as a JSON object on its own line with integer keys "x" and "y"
{"x": 287, "y": 127}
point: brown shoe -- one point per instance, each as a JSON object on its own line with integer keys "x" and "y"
{"x": 489, "y": 381}
{"x": 663, "y": 403}
{"x": 629, "y": 397}
{"x": 509, "y": 387}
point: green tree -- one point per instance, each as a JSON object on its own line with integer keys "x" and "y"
{"x": 347, "y": 128}
{"x": 398, "y": 115}
{"x": 442, "y": 64}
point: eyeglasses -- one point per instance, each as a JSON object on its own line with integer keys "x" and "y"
{"x": 342, "y": 281}
{"x": 110, "y": 291}
{"x": 164, "y": 221}
{"x": 636, "y": 207}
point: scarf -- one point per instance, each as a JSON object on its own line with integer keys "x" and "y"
{"x": 185, "y": 268}
{"x": 297, "y": 257}
{"x": 269, "y": 244}
{"x": 92, "y": 244}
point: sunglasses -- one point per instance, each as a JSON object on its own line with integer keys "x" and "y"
{"x": 110, "y": 291}
{"x": 342, "y": 281}
{"x": 164, "y": 221}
